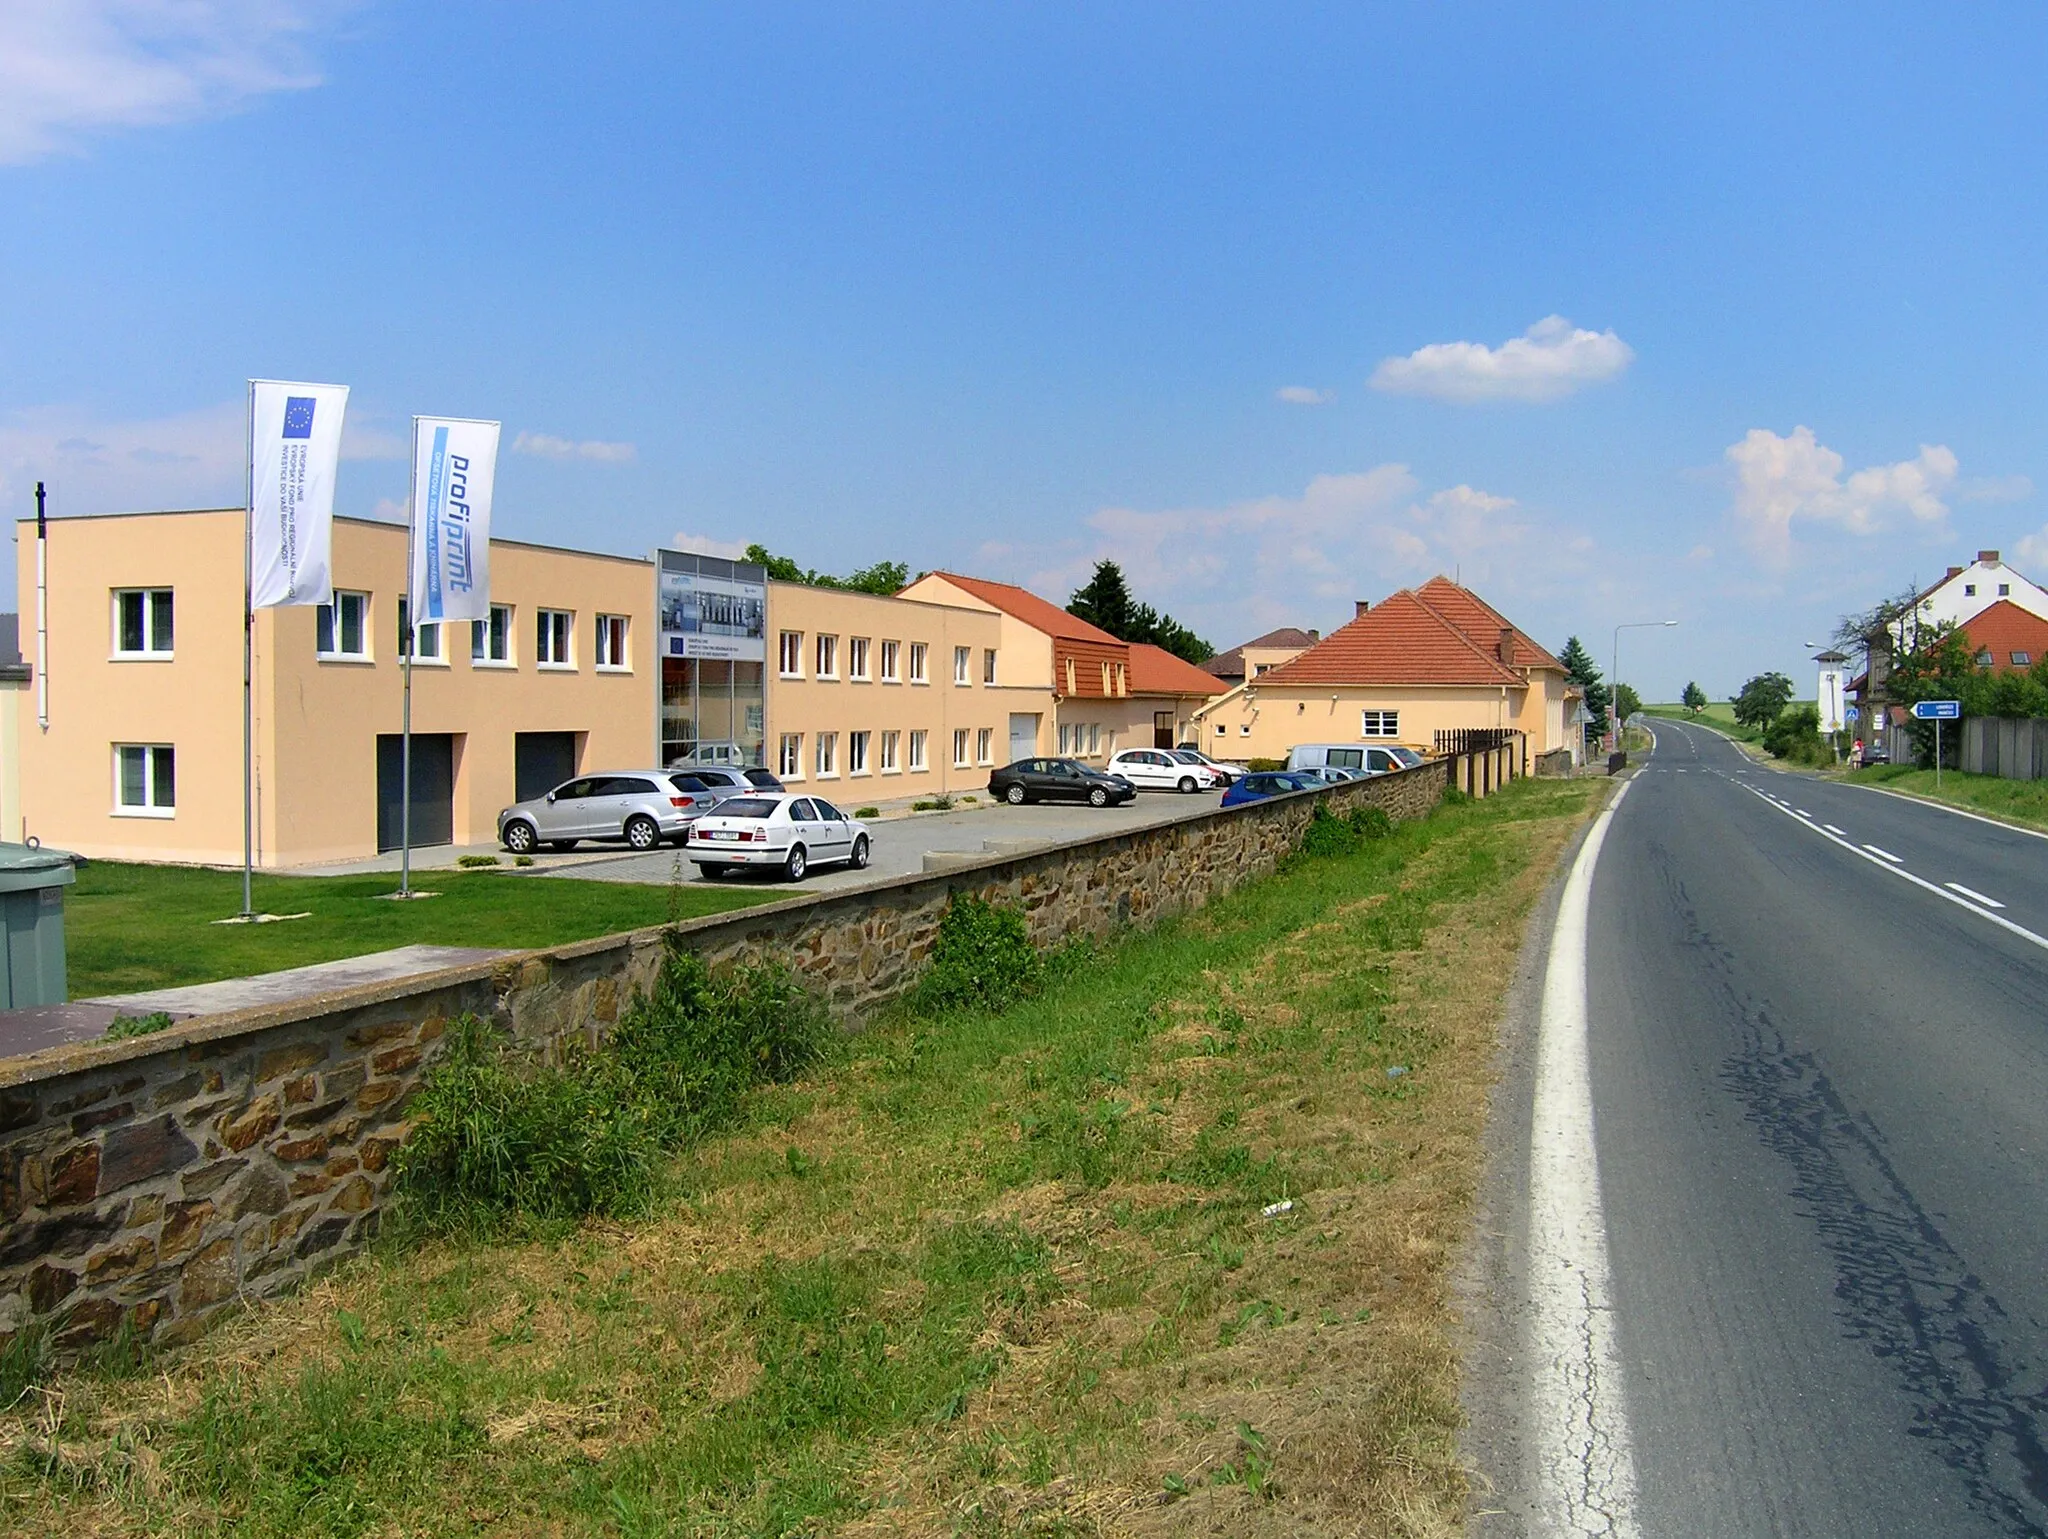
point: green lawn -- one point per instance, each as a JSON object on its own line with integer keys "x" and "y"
{"x": 134, "y": 927}
{"x": 2020, "y": 801}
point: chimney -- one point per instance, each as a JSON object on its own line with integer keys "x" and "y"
{"x": 1988, "y": 557}
{"x": 1954, "y": 571}
{"x": 1363, "y": 606}
{"x": 1507, "y": 645}
{"x": 1315, "y": 635}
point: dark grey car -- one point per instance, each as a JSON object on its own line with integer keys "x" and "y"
{"x": 640, "y": 807}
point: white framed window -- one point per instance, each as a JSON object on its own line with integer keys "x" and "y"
{"x": 962, "y": 659}
{"x": 984, "y": 745}
{"x": 1105, "y": 679}
{"x": 1379, "y": 723}
{"x": 427, "y": 639}
{"x": 857, "y": 752}
{"x": 2005, "y": 590}
{"x": 917, "y": 753}
{"x": 828, "y": 755}
{"x": 1221, "y": 730}
{"x": 1094, "y": 737}
{"x": 341, "y": 630}
{"x": 791, "y": 651}
{"x": 891, "y": 763}
{"x": 554, "y": 634}
{"x": 891, "y": 655}
{"x": 857, "y": 658}
{"x": 1066, "y": 738}
{"x": 988, "y": 665}
{"x": 612, "y": 656}
{"x": 789, "y": 758}
{"x": 918, "y": 653}
{"x": 959, "y": 748}
{"x": 142, "y": 623}
{"x": 1244, "y": 729}
{"x": 490, "y": 641}
{"x": 145, "y": 780}
{"x": 2022, "y": 659}
{"x": 828, "y": 657}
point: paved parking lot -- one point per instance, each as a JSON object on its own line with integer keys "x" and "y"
{"x": 900, "y": 844}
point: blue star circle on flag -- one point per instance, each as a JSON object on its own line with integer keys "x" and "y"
{"x": 298, "y": 416}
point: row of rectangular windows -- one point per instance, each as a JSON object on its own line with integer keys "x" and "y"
{"x": 869, "y": 753}
{"x": 144, "y": 627}
{"x": 825, "y": 650}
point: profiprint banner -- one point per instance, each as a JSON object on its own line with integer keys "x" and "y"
{"x": 294, "y": 446}
{"x": 454, "y": 462}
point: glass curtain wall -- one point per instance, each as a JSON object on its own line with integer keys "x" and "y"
{"x": 709, "y": 705}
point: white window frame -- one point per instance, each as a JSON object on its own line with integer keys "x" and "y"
{"x": 857, "y": 659}
{"x": 1379, "y": 724}
{"x": 336, "y": 628}
{"x": 1094, "y": 738}
{"x": 549, "y": 658}
{"x": 790, "y": 655}
{"x": 1066, "y": 737}
{"x": 828, "y": 655}
{"x": 425, "y": 641}
{"x": 985, "y": 745}
{"x": 614, "y": 644}
{"x": 960, "y": 760}
{"x": 828, "y": 756}
{"x": 920, "y": 657}
{"x": 892, "y": 661}
{"x": 493, "y": 629}
{"x": 891, "y": 762}
{"x": 857, "y": 744}
{"x": 920, "y": 761}
{"x": 149, "y": 807}
{"x": 789, "y": 759}
{"x": 150, "y": 652}
{"x": 988, "y": 665}
{"x": 963, "y": 665}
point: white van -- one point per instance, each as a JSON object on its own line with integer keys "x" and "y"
{"x": 1372, "y": 759}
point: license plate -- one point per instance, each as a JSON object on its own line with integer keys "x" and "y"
{"x": 720, "y": 833}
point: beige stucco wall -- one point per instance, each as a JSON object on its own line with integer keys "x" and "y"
{"x": 316, "y": 722}
{"x": 1265, "y": 720}
{"x": 1027, "y": 651}
{"x": 12, "y": 693}
{"x": 1256, "y": 658}
{"x": 806, "y": 705}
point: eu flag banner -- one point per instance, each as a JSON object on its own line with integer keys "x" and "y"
{"x": 294, "y": 447}
{"x": 454, "y": 462}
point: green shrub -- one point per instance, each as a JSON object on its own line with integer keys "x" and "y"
{"x": 1794, "y": 733}
{"x": 499, "y": 1133}
{"x": 1454, "y": 796}
{"x": 138, "y": 1025}
{"x": 868, "y": 812}
{"x": 1328, "y": 834}
{"x": 522, "y": 860}
{"x": 983, "y": 959}
{"x": 1371, "y": 822}
{"x": 1258, "y": 766}
{"x": 476, "y": 860}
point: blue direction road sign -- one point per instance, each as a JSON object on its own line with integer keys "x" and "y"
{"x": 1937, "y": 710}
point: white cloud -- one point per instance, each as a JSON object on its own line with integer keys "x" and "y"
{"x": 391, "y": 510}
{"x": 1781, "y": 483}
{"x": 1700, "y": 553}
{"x": 2032, "y": 550}
{"x": 191, "y": 460}
{"x": 1549, "y": 361}
{"x": 1995, "y": 489}
{"x": 548, "y": 447}
{"x": 1304, "y": 395}
{"x": 360, "y": 441}
{"x": 69, "y": 68}
{"x": 705, "y": 545}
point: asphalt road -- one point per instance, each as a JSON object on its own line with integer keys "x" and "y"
{"x": 900, "y": 844}
{"x": 1818, "y": 1061}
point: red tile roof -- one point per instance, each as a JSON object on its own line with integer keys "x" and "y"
{"x": 1401, "y": 641}
{"x": 1230, "y": 665}
{"x": 1156, "y": 671}
{"x": 2004, "y": 629}
{"x": 1040, "y": 614}
{"x": 1482, "y": 622}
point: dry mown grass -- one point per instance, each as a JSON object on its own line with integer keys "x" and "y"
{"x": 1003, "y": 1274}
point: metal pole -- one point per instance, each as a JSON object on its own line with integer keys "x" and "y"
{"x": 406, "y": 634}
{"x": 42, "y": 611}
{"x": 1937, "y": 753}
{"x": 248, "y": 649}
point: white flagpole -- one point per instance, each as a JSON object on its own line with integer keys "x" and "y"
{"x": 408, "y": 635}
{"x": 248, "y": 640}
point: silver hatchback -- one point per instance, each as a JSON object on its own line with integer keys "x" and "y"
{"x": 640, "y": 807}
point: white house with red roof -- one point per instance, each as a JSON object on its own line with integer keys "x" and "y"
{"x": 1428, "y": 660}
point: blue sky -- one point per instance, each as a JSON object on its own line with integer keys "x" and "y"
{"x": 1726, "y": 313}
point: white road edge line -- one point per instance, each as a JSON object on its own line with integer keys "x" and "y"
{"x": 1973, "y": 895}
{"x": 1585, "y": 1467}
{"x": 1974, "y": 817}
{"x": 1921, "y": 882}
{"x": 1884, "y": 854}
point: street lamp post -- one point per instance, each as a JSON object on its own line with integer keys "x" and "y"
{"x": 1614, "y": 688}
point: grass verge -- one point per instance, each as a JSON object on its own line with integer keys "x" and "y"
{"x": 2017, "y": 801}
{"x": 134, "y": 927}
{"x": 1164, "y": 1248}
{"x": 1719, "y": 715}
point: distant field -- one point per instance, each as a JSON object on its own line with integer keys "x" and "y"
{"x": 1719, "y": 714}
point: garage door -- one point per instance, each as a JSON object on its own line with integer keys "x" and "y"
{"x": 1023, "y": 735}
{"x": 540, "y": 762}
{"x": 433, "y": 788}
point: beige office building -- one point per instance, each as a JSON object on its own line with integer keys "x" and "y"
{"x": 131, "y": 748}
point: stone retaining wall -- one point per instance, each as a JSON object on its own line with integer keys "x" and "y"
{"x": 154, "y": 1181}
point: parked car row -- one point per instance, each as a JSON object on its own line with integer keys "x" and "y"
{"x": 639, "y": 807}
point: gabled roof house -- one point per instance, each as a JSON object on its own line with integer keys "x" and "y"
{"x": 1261, "y": 653}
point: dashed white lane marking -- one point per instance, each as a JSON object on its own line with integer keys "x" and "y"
{"x": 1585, "y": 1468}
{"x": 1834, "y": 830}
{"x": 1884, "y": 854}
{"x": 1973, "y": 895}
{"x": 1802, "y": 812}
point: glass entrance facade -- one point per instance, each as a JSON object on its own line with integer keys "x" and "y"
{"x": 712, "y": 708}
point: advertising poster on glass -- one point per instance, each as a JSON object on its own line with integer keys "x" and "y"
{"x": 714, "y": 617}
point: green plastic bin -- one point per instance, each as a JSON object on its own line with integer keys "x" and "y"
{"x": 32, "y": 883}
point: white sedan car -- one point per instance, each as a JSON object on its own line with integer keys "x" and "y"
{"x": 1155, "y": 769}
{"x": 786, "y": 832}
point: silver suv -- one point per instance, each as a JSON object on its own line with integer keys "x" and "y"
{"x": 642, "y": 807}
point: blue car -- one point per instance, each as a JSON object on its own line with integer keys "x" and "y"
{"x": 1257, "y": 787}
